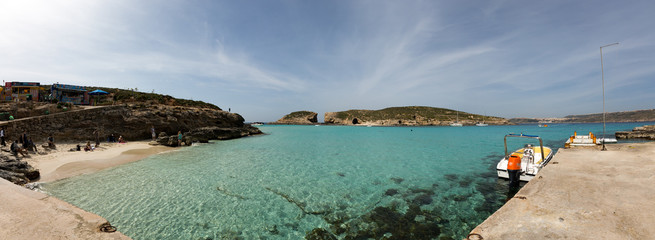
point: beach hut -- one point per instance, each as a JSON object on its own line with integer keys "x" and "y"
{"x": 21, "y": 91}
{"x": 77, "y": 95}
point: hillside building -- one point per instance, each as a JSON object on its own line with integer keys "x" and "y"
{"x": 63, "y": 93}
{"x": 21, "y": 91}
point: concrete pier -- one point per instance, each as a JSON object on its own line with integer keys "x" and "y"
{"x": 584, "y": 193}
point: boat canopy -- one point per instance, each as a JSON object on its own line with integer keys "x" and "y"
{"x": 541, "y": 143}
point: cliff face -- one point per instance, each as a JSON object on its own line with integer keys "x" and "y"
{"x": 408, "y": 116}
{"x": 132, "y": 121}
{"x": 298, "y": 118}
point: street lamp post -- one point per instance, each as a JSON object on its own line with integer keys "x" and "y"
{"x": 602, "y": 75}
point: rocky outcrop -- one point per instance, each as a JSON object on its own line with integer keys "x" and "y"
{"x": 132, "y": 121}
{"x": 16, "y": 171}
{"x": 298, "y": 118}
{"x": 204, "y": 134}
{"x": 408, "y": 116}
{"x": 644, "y": 132}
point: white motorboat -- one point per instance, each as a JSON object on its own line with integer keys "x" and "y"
{"x": 533, "y": 158}
{"x": 600, "y": 141}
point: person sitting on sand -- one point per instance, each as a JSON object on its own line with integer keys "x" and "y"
{"x": 88, "y": 147}
{"x": 121, "y": 139}
{"x": 30, "y": 146}
{"x": 51, "y": 142}
{"x": 16, "y": 149}
{"x": 111, "y": 138}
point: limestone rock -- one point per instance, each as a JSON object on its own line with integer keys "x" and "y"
{"x": 16, "y": 171}
{"x": 204, "y": 134}
{"x": 131, "y": 121}
{"x": 299, "y": 118}
{"x": 644, "y": 132}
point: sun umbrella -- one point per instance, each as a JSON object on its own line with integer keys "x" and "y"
{"x": 98, "y": 92}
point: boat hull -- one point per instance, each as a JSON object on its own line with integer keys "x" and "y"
{"x": 528, "y": 170}
{"x": 524, "y": 176}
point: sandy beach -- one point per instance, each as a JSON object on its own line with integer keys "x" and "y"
{"x": 26, "y": 214}
{"x": 62, "y": 163}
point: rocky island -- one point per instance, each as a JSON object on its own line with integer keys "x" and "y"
{"x": 298, "y": 118}
{"x": 409, "y": 116}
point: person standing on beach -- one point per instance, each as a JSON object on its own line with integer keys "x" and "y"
{"x": 179, "y": 138}
{"x": 97, "y": 133}
{"x": 23, "y": 139}
{"x": 514, "y": 171}
{"x": 2, "y": 137}
{"x": 152, "y": 129}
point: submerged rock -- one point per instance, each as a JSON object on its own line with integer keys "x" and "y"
{"x": 391, "y": 192}
{"x": 423, "y": 199}
{"x": 320, "y": 234}
{"x": 388, "y": 223}
{"x": 397, "y": 180}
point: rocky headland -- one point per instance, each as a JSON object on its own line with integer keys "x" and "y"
{"x": 131, "y": 121}
{"x": 409, "y": 116}
{"x": 644, "y": 132}
{"x": 299, "y": 118}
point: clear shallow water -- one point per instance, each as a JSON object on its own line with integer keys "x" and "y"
{"x": 349, "y": 180}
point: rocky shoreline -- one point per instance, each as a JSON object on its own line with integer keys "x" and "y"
{"x": 131, "y": 121}
{"x": 644, "y": 132}
{"x": 17, "y": 171}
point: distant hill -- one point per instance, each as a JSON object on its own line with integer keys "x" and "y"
{"x": 408, "y": 116}
{"x": 628, "y": 116}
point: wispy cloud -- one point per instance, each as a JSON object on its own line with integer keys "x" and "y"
{"x": 269, "y": 58}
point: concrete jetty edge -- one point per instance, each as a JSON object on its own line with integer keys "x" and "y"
{"x": 584, "y": 193}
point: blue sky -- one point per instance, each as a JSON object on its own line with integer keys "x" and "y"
{"x": 264, "y": 59}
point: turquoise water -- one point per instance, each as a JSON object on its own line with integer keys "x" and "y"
{"x": 351, "y": 181}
